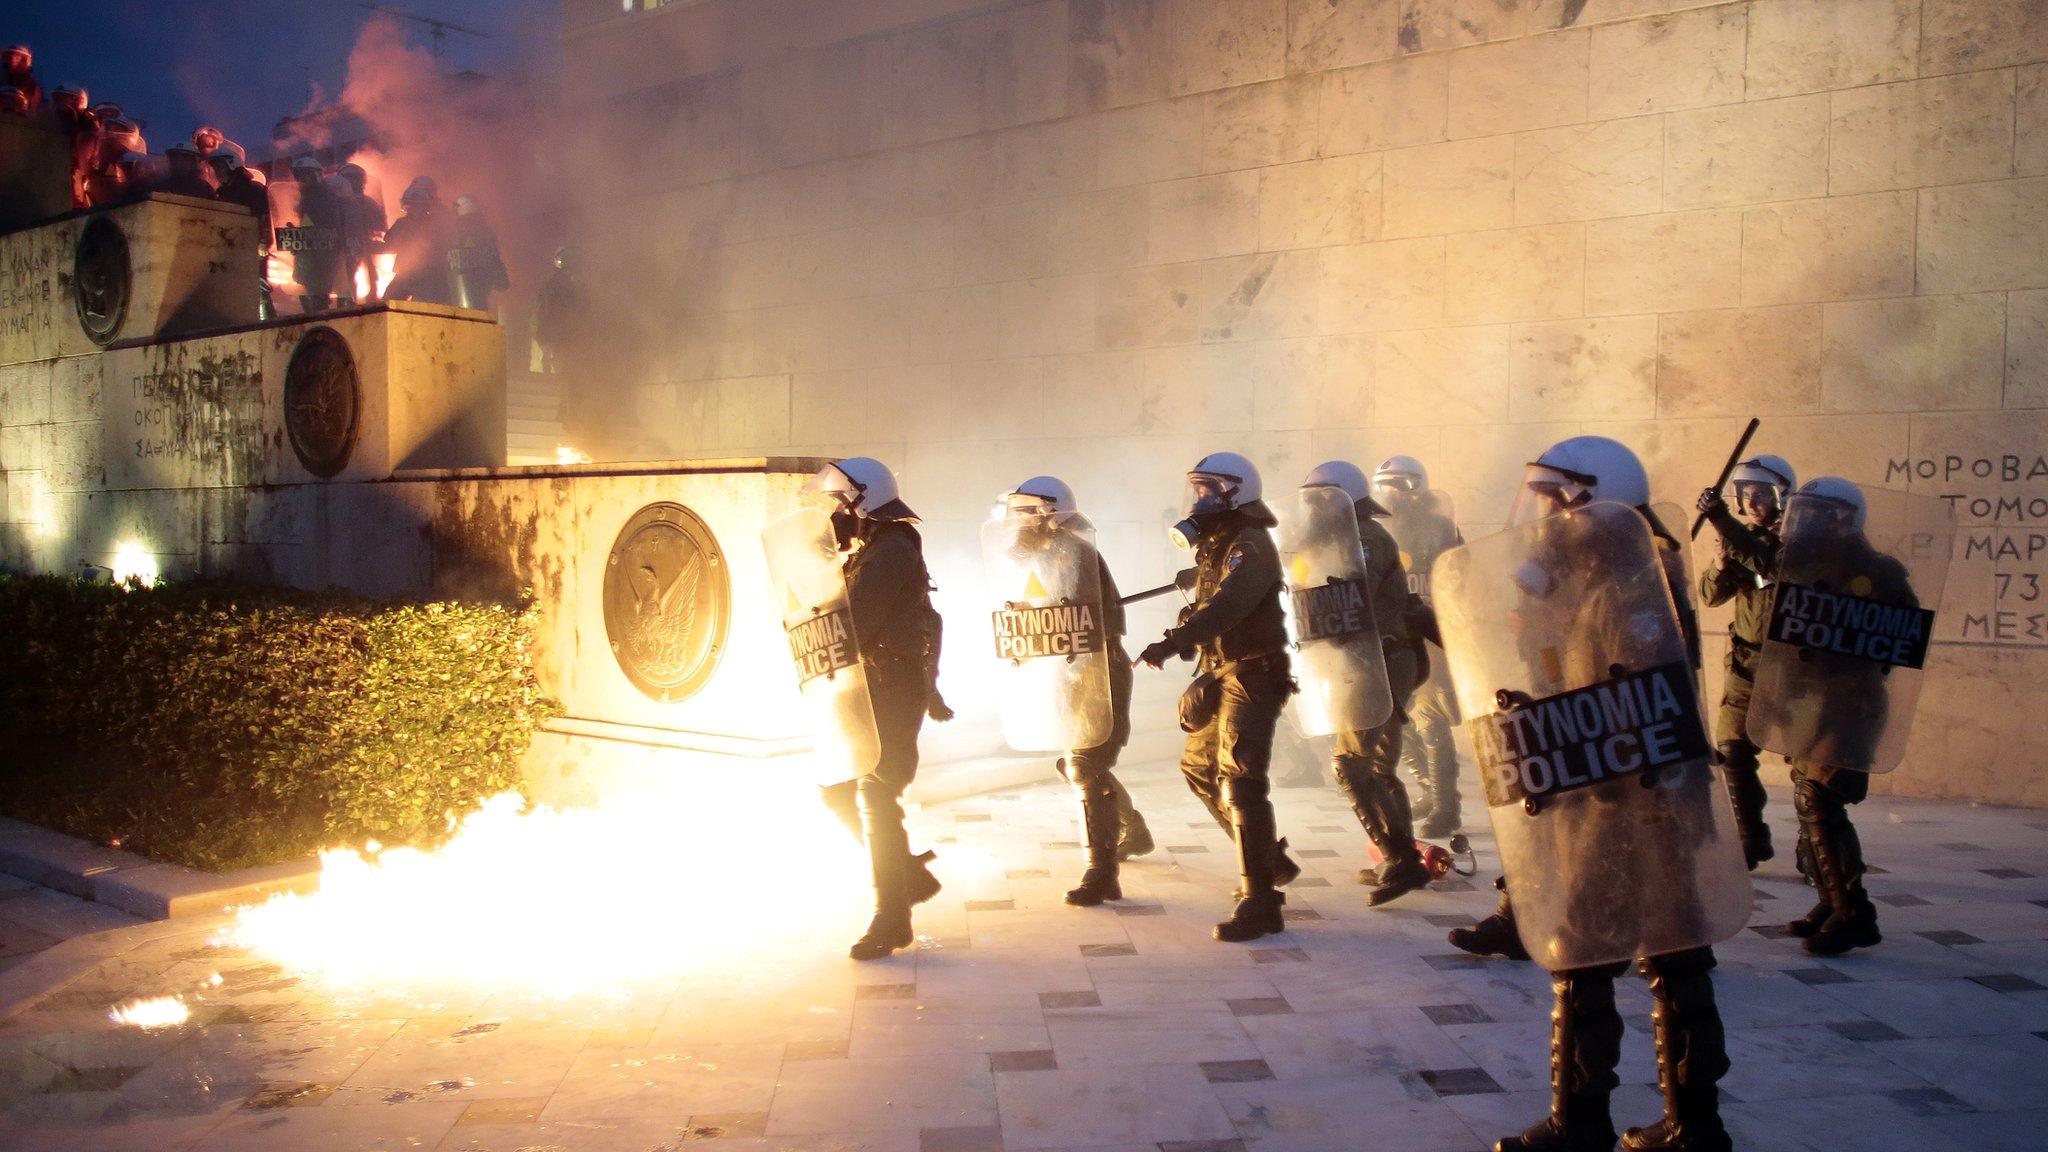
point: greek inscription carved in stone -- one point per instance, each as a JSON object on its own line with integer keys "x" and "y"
{"x": 203, "y": 409}
{"x": 666, "y": 601}
{"x": 322, "y": 402}
{"x": 101, "y": 279}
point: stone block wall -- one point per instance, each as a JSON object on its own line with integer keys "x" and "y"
{"x": 1101, "y": 237}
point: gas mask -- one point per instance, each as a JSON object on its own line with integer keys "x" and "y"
{"x": 1208, "y": 500}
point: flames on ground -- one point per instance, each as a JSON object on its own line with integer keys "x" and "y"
{"x": 713, "y": 873}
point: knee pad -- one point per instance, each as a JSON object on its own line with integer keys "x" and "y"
{"x": 1240, "y": 791}
{"x": 1809, "y": 800}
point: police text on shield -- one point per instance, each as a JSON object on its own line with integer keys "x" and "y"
{"x": 1024, "y": 632}
{"x": 1893, "y": 634}
{"x": 822, "y": 645}
{"x": 1614, "y": 729}
{"x": 1331, "y": 611}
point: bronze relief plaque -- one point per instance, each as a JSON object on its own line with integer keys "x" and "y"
{"x": 667, "y": 601}
{"x": 101, "y": 279}
{"x": 323, "y": 402}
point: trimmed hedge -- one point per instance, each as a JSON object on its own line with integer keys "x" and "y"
{"x": 226, "y": 726}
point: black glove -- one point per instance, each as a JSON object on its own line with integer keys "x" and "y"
{"x": 1710, "y": 502}
{"x": 1184, "y": 579}
{"x": 1158, "y": 653}
{"x": 935, "y": 706}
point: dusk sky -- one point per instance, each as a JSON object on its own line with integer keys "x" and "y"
{"x": 242, "y": 65}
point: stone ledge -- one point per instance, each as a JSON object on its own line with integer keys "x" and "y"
{"x": 136, "y": 884}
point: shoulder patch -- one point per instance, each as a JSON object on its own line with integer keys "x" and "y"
{"x": 1234, "y": 558}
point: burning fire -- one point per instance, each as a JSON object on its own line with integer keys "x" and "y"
{"x": 387, "y": 267}
{"x": 725, "y": 872}
{"x": 152, "y": 1013}
{"x": 569, "y": 454}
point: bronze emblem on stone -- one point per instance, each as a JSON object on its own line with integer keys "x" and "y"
{"x": 322, "y": 402}
{"x": 667, "y": 601}
{"x": 101, "y": 277}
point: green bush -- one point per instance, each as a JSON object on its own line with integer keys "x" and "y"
{"x": 225, "y": 726}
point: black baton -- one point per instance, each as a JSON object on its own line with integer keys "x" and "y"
{"x": 1149, "y": 594}
{"x": 1727, "y": 470}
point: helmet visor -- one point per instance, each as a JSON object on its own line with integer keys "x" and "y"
{"x": 829, "y": 491}
{"x": 1546, "y": 491}
{"x": 1208, "y": 495}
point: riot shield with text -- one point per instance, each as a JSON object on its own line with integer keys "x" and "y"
{"x": 1425, "y": 525}
{"x": 804, "y": 566}
{"x": 1050, "y": 631}
{"x": 1842, "y": 661}
{"x": 1338, "y": 659}
{"x": 1566, "y": 652}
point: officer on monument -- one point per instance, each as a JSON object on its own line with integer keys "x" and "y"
{"x": 1743, "y": 570}
{"x": 1567, "y": 647}
{"x": 1065, "y": 677}
{"x": 856, "y": 598}
{"x": 1236, "y": 626}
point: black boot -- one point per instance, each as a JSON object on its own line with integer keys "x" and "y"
{"x": 1810, "y": 923}
{"x": 1100, "y": 824}
{"x": 1134, "y": 838}
{"x": 1692, "y": 1056}
{"x": 1285, "y": 870}
{"x": 919, "y": 885}
{"x": 843, "y": 800}
{"x": 1381, "y": 805}
{"x": 1495, "y": 935}
{"x": 1746, "y": 793}
{"x": 1851, "y": 924}
{"x": 1836, "y": 855}
{"x": 1258, "y": 906}
{"x": 1585, "y": 1046}
{"x": 888, "y": 858}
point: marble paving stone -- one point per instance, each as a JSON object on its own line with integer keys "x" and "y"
{"x": 906, "y": 1093}
{"x": 1150, "y": 1105}
{"x": 998, "y": 1032}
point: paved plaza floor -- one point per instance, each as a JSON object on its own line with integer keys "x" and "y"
{"x": 1020, "y": 1023}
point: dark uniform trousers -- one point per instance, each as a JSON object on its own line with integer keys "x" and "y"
{"x": 1364, "y": 764}
{"x": 1106, "y": 806}
{"x": 1586, "y": 1029}
{"x": 1227, "y": 759}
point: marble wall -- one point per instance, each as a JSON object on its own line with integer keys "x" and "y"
{"x": 1102, "y": 237}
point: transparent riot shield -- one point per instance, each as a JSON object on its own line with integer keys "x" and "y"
{"x": 1425, "y": 525}
{"x": 1338, "y": 659}
{"x": 1051, "y": 636}
{"x": 1565, "y": 649}
{"x": 1674, "y": 548}
{"x": 1842, "y": 661}
{"x": 817, "y": 616}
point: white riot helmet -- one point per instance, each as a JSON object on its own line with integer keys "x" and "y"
{"x": 1041, "y": 494}
{"x": 1765, "y": 471}
{"x": 858, "y": 484}
{"x": 1340, "y": 474}
{"x": 1400, "y": 474}
{"x": 1579, "y": 471}
{"x": 1220, "y": 482}
{"x": 1841, "y": 496}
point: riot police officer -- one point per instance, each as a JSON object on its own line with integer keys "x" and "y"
{"x": 187, "y": 174}
{"x": 18, "y": 71}
{"x": 318, "y": 267}
{"x": 419, "y": 241}
{"x": 1626, "y": 482}
{"x": 1606, "y": 620}
{"x": 362, "y": 230}
{"x": 1363, "y": 761}
{"x": 1743, "y": 570}
{"x": 475, "y": 267}
{"x": 889, "y": 592}
{"x": 1418, "y": 518}
{"x": 1847, "y": 702}
{"x": 1040, "y": 527}
{"x": 1237, "y": 627}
